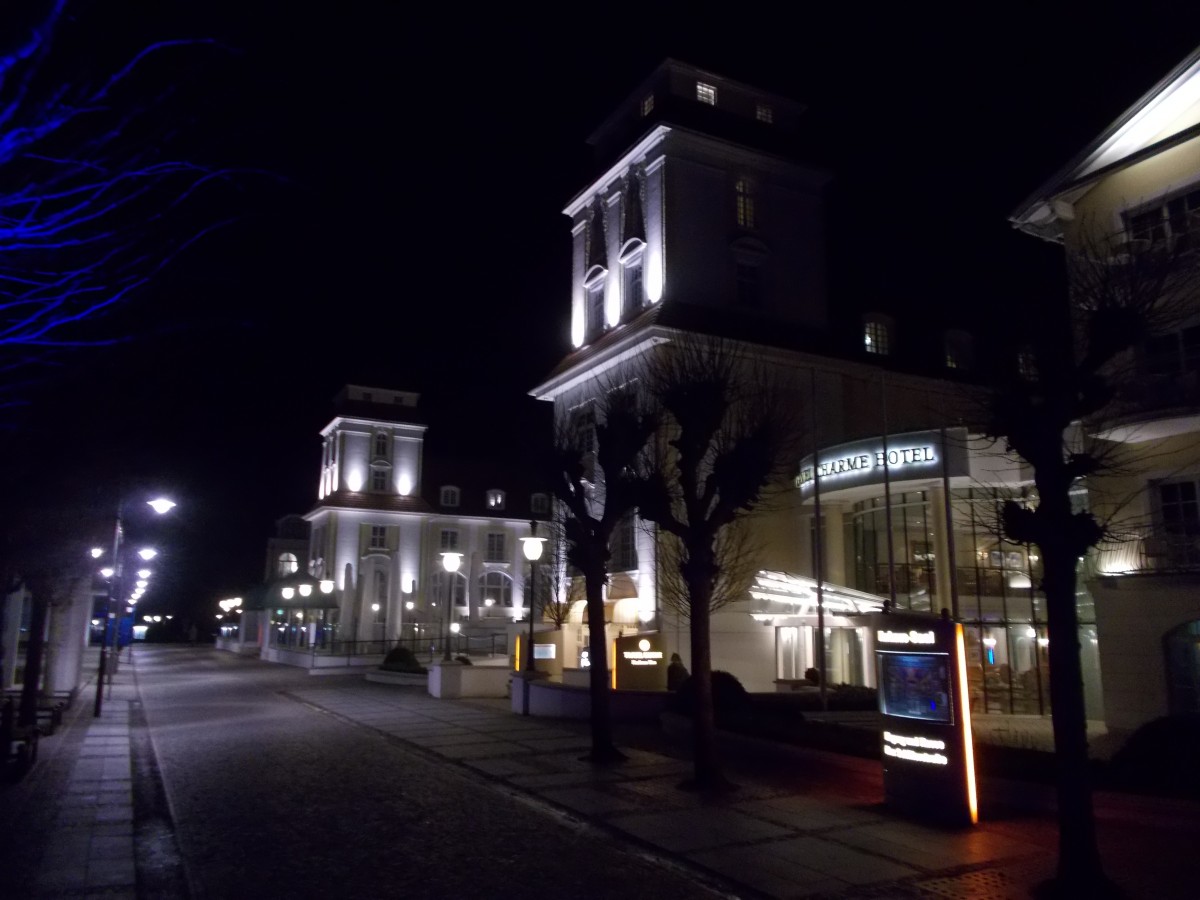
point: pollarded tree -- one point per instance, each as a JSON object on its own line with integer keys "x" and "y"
{"x": 1049, "y": 407}
{"x": 598, "y": 462}
{"x": 725, "y": 439}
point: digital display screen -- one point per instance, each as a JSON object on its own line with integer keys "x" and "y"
{"x": 916, "y": 686}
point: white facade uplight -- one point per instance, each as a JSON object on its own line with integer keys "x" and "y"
{"x": 141, "y": 582}
{"x": 143, "y": 573}
{"x": 288, "y": 593}
{"x": 654, "y": 277}
{"x": 305, "y": 590}
{"x": 161, "y": 505}
{"x": 107, "y": 572}
{"x": 159, "y": 618}
{"x": 577, "y": 325}
{"x": 97, "y": 552}
{"x": 404, "y": 485}
{"x": 354, "y": 479}
{"x": 147, "y": 618}
{"x": 147, "y": 553}
{"x": 326, "y": 586}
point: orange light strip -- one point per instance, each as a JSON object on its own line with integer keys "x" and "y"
{"x": 614, "y": 665}
{"x": 517, "y": 668}
{"x": 964, "y": 701}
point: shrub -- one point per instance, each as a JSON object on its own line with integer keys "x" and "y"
{"x": 402, "y": 659}
{"x": 464, "y": 659}
{"x": 1161, "y": 757}
{"x": 731, "y": 702}
{"x": 812, "y": 676}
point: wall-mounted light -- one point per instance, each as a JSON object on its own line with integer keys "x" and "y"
{"x": 326, "y": 586}
{"x": 288, "y": 593}
{"x": 305, "y": 590}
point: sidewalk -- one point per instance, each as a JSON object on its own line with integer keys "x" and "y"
{"x": 814, "y": 828}
{"x": 69, "y": 822}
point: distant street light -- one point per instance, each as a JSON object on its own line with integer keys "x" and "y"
{"x": 450, "y": 562}
{"x": 160, "y": 505}
{"x": 147, "y": 553}
{"x": 532, "y": 548}
{"x": 97, "y": 552}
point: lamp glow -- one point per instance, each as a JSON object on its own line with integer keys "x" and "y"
{"x": 107, "y": 572}
{"x": 147, "y": 553}
{"x": 161, "y": 505}
{"x": 455, "y": 628}
{"x": 327, "y": 586}
{"x": 410, "y": 605}
{"x": 97, "y": 552}
{"x": 305, "y": 590}
{"x": 143, "y": 573}
{"x": 288, "y": 593}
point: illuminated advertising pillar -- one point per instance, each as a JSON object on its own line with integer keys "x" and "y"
{"x": 927, "y": 750}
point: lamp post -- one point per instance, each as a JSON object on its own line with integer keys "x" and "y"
{"x": 532, "y": 548}
{"x": 160, "y": 505}
{"x": 450, "y": 562}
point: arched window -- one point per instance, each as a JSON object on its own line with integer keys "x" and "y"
{"x": 449, "y": 495}
{"x": 437, "y": 589}
{"x": 497, "y": 587}
{"x": 287, "y": 563}
{"x": 381, "y": 445}
{"x": 744, "y": 203}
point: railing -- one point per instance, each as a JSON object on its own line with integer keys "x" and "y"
{"x": 1149, "y": 550}
{"x": 432, "y": 648}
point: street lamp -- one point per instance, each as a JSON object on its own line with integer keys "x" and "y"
{"x": 160, "y": 505}
{"x": 532, "y": 548}
{"x": 450, "y": 562}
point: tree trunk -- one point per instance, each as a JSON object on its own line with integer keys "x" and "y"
{"x": 1079, "y": 869}
{"x": 707, "y": 774}
{"x": 603, "y": 749}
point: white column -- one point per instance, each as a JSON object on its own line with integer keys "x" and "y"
{"x": 833, "y": 542}
{"x": 941, "y": 547}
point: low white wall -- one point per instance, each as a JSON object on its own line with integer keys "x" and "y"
{"x": 453, "y": 680}
{"x": 561, "y": 701}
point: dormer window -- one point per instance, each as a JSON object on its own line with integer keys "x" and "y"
{"x": 449, "y": 495}
{"x": 706, "y": 93}
{"x": 495, "y": 500}
{"x": 877, "y": 336}
{"x": 381, "y": 445}
{"x": 764, "y": 113}
{"x": 647, "y": 104}
{"x": 1027, "y": 367}
{"x": 539, "y": 504}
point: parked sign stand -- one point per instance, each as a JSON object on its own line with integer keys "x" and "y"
{"x": 927, "y": 747}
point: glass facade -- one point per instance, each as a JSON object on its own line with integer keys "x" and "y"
{"x": 1003, "y": 613}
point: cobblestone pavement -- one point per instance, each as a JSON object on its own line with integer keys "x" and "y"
{"x": 219, "y": 776}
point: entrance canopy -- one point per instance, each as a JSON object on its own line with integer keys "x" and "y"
{"x": 778, "y": 594}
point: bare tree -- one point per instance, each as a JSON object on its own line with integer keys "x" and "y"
{"x": 554, "y": 591}
{"x": 597, "y": 468}
{"x": 1118, "y": 297}
{"x": 92, "y": 206}
{"x": 740, "y": 555}
{"x": 725, "y": 439}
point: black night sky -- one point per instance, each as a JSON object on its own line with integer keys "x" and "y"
{"x": 402, "y": 226}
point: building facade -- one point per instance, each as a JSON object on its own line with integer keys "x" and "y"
{"x": 384, "y": 517}
{"x": 1128, "y": 204}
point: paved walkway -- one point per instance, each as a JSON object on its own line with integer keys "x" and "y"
{"x": 70, "y": 822}
{"x": 813, "y": 826}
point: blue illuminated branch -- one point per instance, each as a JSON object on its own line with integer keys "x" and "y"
{"x": 90, "y": 210}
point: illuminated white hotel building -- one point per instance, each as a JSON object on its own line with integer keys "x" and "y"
{"x": 384, "y": 515}
{"x": 705, "y": 219}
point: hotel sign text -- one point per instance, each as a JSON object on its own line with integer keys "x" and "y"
{"x": 913, "y": 455}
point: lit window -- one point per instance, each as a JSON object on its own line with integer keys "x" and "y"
{"x": 495, "y": 499}
{"x": 497, "y": 587}
{"x": 635, "y": 291}
{"x": 876, "y": 338}
{"x": 764, "y": 113}
{"x": 744, "y": 194}
{"x": 706, "y": 93}
{"x": 449, "y": 540}
{"x": 381, "y": 598}
{"x": 496, "y": 547}
{"x": 595, "y": 311}
{"x": 378, "y": 537}
{"x": 449, "y": 496}
{"x": 379, "y": 479}
{"x": 540, "y": 504}
{"x": 647, "y": 104}
{"x": 623, "y": 545}
{"x": 287, "y": 563}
